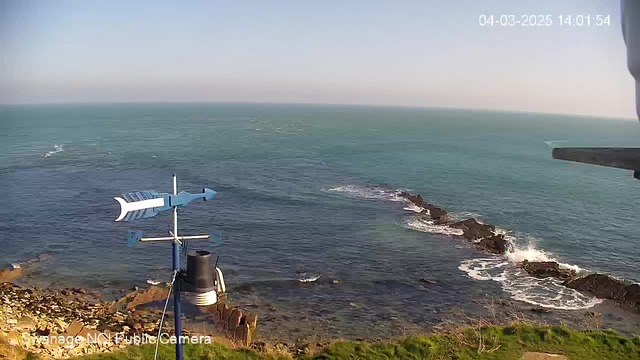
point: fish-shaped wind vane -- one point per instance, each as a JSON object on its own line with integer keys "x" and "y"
{"x": 144, "y": 204}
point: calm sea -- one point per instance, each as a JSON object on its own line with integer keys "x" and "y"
{"x": 306, "y": 195}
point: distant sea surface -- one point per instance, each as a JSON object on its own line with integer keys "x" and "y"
{"x": 307, "y": 195}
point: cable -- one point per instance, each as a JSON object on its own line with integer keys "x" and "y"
{"x": 155, "y": 355}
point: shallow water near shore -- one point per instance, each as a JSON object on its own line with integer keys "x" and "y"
{"x": 309, "y": 192}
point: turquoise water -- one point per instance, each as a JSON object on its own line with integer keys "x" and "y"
{"x": 308, "y": 192}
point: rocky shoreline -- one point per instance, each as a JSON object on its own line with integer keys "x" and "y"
{"x": 485, "y": 239}
{"x": 35, "y": 319}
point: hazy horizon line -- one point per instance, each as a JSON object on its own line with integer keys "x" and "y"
{"x": 323, "y": 104}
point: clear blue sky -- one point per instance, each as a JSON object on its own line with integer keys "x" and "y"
{"x": 425, "y": 53}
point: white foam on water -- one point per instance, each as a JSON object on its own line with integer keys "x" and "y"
{"x": 529, "y": 252}
{"x": 56, "y": 149}
{"x": 414, "y": 208}
{"x": 371, "y": 192}
{"x": 547, "y": 292}
{"x": 15, "y": 265}
{"x": 478, "y": 269}
{"x": 459, "y": 216}
{"x": 309, "y": 279}
{"x": 153, "y": 282}
{"x": 423, "y": 225}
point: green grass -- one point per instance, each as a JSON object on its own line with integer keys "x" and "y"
{"x": 190, "y": 352}
{"x": 490, "y": 342}
{"x": 499, "y": 343}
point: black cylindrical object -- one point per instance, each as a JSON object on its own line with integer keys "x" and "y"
{"x": 200, "y": 271}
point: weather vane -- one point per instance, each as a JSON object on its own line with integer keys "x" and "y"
{"x": 198, "y": 278}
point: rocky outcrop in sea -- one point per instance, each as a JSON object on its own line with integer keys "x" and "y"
{"x": 485, "y": 239}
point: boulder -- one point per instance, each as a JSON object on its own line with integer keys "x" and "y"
{"x": 26, "y": 323}
{"x": 10, "y": 274}
{"x": 495, "y": 244}
{"x": 632, "y": 297}
{"x": 474, "y": 230}
{"x": 140, "y": 297}
{"x": 544, "y": 269}
{"x": 600, "y": 285}
{"x": 416, "y": 199}
{"x": 437, "y": 214}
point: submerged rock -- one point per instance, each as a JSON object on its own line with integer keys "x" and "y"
{"x": 543, "y": 269}
{"x": 10, "y": 274}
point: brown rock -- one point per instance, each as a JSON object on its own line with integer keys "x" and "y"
{"x": 632, "y": 297}
{"x": 437, "y": 214}
{"x": 140, "y": 297}
{"x": 45, "y": 256}
{"x": 74, "y": 328}
{"x": 10, "y": 274}
{"x": 474, "y": 230}
{"x": 495, "y": 244}
{"x": 417, "y": 200}
{"x": 600, "y": 285}
{"x": 234, "y": 320}
{"x": 544, "y": 269}
{"x": 26, "y": 323}
{"x": 540, "y": 310}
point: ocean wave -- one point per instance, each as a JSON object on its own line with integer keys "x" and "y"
{"x": 56, "y": 149}
{"x": 368, "y": 192}
{"x": 414, "y": 208}
{"x": 423, "y": 225}
{"x": 305, "y": 277}
{"x": 459, "y": 216}
{"x": 479, "y": 269}
{"x": 547, "y": 292}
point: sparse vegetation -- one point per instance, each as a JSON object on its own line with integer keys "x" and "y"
{"x": 490, "y": 342}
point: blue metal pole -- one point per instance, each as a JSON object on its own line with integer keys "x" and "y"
{"x": 176, "y": 301}
{"x": 176, "y": 267}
